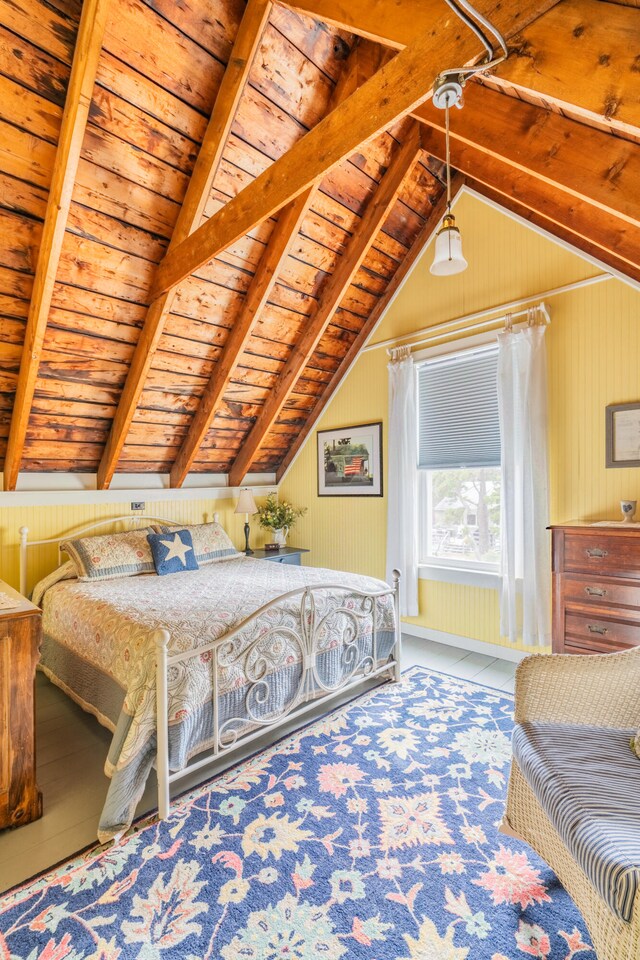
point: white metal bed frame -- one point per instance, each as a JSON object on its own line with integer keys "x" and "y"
{"x": 255, "y": 657}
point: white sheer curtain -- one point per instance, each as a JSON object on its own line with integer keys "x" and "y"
{"x": 522, "y": 400}
{"x": 402, "y": 484}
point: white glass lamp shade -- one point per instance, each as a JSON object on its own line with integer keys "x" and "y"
{"x": 448, "y": 258}
{"x": 246, "y": 503}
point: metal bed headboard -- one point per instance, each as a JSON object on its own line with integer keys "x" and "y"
{"x": 133, "y": 520}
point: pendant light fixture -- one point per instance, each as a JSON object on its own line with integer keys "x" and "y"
{"x": 448, "y": 258}
{"x": 447, "y": 92}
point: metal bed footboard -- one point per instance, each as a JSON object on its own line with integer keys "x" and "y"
{"x": 311, "y": 689}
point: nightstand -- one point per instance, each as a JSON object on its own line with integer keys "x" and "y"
{"x": 20, "y": 637}
{"x": 283, "y": 555}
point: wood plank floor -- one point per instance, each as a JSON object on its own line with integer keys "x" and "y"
{"x": 72, "y": 747}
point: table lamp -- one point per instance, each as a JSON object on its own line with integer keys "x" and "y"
{"x": 246, "y": 505}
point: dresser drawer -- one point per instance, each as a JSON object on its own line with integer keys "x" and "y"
{"x": 599, "y": 634}
{"x": 602, "y": 555}
{"x": 599, "y": 590}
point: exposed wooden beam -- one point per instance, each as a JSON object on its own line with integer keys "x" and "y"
{"x": 583, "y": 57}
{"x": 405, "y": 267}
{"x": 233, "y": 82}
{"x": 363, "y": 61}
{"x": 396, "y": 23}
{"x": 395, "y": 90}
{"x": 617, "y": 241}
{"x": 331, "y": 295}
{"x": 74, "y": 120}
{"x": 593, "y": 167}
{"x": 561, "y": 231}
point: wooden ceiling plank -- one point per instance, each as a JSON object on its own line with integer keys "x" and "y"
{"x": 233, "y": 82}
{"x": 362, "y": 63}
{"x": 74, "y": 120}
{"x": 399, "y": 87}
{"x": 384, "y": 302}
{"x": 590, "y": 165}
{"x": 581, "y": 59}
{"x": 610, "y": 233}
{"x": 330, "y": 297}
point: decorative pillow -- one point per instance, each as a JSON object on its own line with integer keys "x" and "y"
{"x": 172, "y": 552}
{"x": 210, "y": 541}
{"x": 635, "y": 744}
{"x": 110, "y": 556}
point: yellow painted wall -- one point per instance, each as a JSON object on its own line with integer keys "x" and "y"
{"x": 45, "y": 522}
{"x": 593, "y": 347}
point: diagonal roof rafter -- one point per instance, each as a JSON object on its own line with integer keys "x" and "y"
{"x": 331, "y": 296}
{"x": 403, "y": 270}
{"x": 233, "y": 83}
{"x": 76, "y": 111}
{"x": 362, "y": 62}
{"x": 399, "y": 87}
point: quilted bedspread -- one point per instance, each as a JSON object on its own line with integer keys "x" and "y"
{"x": 98, "y": 646}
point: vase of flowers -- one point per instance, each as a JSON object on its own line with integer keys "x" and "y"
{"x": 279, "y": 516}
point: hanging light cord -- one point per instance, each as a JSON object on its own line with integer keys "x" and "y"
{"x": 447, "y": 154}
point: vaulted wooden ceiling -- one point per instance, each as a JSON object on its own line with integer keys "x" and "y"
{"x": 205, "y": 206}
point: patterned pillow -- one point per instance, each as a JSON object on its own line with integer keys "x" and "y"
{"x": 172, "y": 552}
{"x": 111, "y": 556}
{"x": 210, "y": 541}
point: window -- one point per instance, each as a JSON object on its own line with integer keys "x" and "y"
{"x": 459, "y": 460}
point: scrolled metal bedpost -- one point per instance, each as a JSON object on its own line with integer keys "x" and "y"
{"x": 24, "y": 533}
{"x": 397, "y": 669}
{"x": 161, "y": 638}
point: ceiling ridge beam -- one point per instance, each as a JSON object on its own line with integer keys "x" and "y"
{"x": 189, "y": 218}
{"x": 614, "y": 236}
{"x": 396, "y": 24}
{"x": 592, "y": 166}
{"x": 399, "y": 87}
{"x": 404, "y": 269}
{"x": 331, "y": 295}
{"x": 74, "y": 121}
{"x": 363, "y": 61}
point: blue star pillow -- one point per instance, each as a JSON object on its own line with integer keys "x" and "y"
{"x": 172, "y": 551}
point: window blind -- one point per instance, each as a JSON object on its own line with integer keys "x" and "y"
{"x": 458, "y": 412}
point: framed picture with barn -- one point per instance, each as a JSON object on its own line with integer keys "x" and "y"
{"x": 350, "y": 461}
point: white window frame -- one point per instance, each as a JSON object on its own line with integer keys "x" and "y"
{"x": 473, "y": 573}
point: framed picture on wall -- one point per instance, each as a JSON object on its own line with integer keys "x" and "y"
{"x": 623, "y": 435}
{"x": 350, "y": 461}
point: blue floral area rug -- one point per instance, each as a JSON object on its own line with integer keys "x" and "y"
{"x": 370, "y": 834}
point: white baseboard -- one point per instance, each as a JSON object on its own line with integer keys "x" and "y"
{"x": 465, "y": 643}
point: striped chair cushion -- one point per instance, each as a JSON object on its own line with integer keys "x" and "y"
{"x": 587, "y": 781}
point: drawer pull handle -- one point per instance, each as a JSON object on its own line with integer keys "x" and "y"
{"x": 596, "y": 552}
{"x": 594, "y": 628}
{"x": 595, "y": 591}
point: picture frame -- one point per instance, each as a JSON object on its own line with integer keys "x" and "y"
{"x": 623, "y": 435}
{"x": 350, "y": 461}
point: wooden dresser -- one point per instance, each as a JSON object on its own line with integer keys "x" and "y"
{"x": 20, "y": 636}
{"x": 596, "y": 588}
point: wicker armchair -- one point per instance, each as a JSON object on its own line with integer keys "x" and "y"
{"x": 601, "y": 691}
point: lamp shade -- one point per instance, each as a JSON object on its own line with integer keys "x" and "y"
{"x": 448, "y": 258}
{"x": 246, "y": 503}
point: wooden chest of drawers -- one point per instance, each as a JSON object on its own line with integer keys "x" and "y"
{"x": 20, "y": 634}
{"x": 596, "y": 588}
